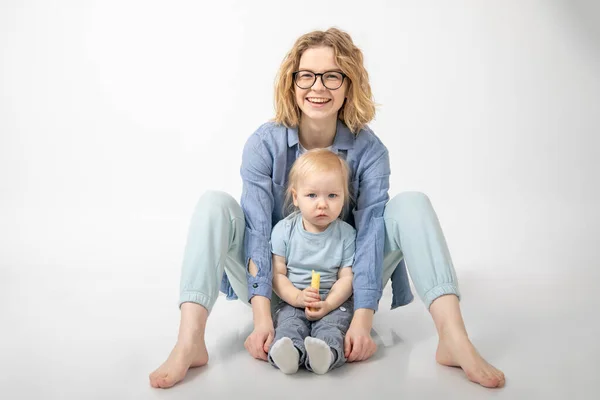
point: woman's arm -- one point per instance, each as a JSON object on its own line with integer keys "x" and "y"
{"x": 261, "y": 306}
{"x": 257, "y": 203}
{"x": 374, "y": 183}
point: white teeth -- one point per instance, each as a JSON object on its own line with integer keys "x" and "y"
{"x": 317, "y": 100}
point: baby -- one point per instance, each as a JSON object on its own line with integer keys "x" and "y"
{"x": 310, "y": 324}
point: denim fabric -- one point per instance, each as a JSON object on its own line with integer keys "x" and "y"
{"x": 266, "y": 161}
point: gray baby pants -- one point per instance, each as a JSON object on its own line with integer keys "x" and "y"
{"x": 291, "y": 322}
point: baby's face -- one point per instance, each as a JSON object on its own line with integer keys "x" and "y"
{"x": 320, "y": 198}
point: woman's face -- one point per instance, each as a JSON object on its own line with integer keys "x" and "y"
{"x": 318, "y": 102}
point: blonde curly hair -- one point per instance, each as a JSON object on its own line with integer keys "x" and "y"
{"x": 359, "y": 107}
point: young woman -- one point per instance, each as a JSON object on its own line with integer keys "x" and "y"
{"x": 323, "y": 100}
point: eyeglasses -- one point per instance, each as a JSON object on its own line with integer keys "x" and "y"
{"x": 332, "y": 80}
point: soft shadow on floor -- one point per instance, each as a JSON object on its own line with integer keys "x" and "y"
{"x": 193, "y": 374}
{"x": 231, "y": 343}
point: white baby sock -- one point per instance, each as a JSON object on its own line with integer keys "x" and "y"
{"x": 285, "y": 355}
{"x": 319, "y": 355}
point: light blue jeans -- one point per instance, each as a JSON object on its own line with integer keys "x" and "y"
{"x": 215, "y": 245}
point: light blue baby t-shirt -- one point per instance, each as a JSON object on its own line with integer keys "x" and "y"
{"x": 324, "y": 252}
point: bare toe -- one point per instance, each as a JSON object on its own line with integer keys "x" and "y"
{"x": 180, "y": 360}
{"x": 166, "y": 382}
{"x": 462, "y": 353}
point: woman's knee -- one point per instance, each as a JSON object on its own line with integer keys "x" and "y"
{"x": 406, "y": 202}
{"x": 216, "y": 197}
{"x": 213, "y": 201}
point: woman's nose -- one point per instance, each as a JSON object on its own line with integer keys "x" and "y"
{"x": 318, "y": 86}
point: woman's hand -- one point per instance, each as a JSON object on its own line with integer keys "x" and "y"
{"x": 307, "y": 297}
{"x": 259, "y": 341}
{"x": 358, "y": 344}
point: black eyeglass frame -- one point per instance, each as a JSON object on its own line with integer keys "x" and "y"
{"x": 344, "y": 76}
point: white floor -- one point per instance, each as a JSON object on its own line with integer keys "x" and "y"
{"x": 88, "y": 309}
{"x": 58, "y": 342}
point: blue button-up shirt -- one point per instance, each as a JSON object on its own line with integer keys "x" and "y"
{"x": 266, "y": 161}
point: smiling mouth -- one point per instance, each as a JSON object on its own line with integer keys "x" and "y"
{"x": 317, "y": 100}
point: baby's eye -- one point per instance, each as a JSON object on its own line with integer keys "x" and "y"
{"x": 332, "y": 195}
{"x": 311, "y": 195}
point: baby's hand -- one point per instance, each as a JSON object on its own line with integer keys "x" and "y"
{"x": 317, "y": 310}
{"x": 306, "y": 297}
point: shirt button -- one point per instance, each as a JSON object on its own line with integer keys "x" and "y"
{"x": 255, "y": 285}
{"x": 342, "y": 308}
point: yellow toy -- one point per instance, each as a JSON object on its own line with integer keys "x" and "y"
{"x": 315, "y": 282}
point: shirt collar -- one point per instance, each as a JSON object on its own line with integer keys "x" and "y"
{"x": 344, "y": 139}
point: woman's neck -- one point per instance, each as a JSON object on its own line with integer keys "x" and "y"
{"x": 316, "y": 134}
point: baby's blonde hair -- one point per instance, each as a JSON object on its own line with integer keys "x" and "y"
{"x": 317, "y": 160}
{"x": 359, "y": 107}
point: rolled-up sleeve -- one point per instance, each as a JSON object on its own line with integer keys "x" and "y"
{"x": 257, "y": 203}
{"x": 372, "y": 197}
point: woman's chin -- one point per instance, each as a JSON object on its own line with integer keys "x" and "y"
{"x": 318, "y": 115}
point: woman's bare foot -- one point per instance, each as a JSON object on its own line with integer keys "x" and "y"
{"x": 460, "y": 352}
{"x": 455, "y": 349}
{"x": 182, "y": 358}
{"x": 189, "y": 351}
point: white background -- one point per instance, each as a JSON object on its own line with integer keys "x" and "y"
{"x": 116, "y": 115}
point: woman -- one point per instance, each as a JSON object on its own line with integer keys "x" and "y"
{"x": 323, "y": 100}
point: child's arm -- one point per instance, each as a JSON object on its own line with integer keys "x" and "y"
{"x": 281, "y": 284}
{"x": 341, "y": 289}
{"x": 286, "y": 290}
